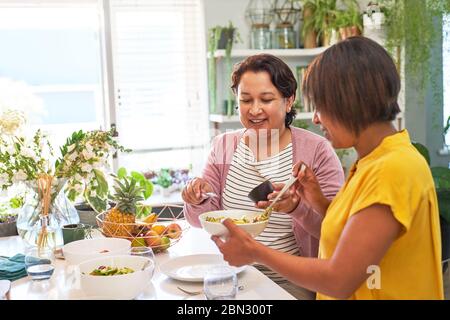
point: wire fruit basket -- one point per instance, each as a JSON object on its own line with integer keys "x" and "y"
{"x": 160, "y": 232}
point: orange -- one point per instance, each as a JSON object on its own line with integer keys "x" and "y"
{"x": 159, "y": 229}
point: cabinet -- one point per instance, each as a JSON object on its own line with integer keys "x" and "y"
{"x": 294, "y": 58}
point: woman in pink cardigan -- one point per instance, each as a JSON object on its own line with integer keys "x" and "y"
{"x": 266, "y": 150}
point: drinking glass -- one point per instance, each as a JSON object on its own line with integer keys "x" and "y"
{"x": 145, "y": 252}
{"x": 220, "y": 283}
{"x": 39, "y": 263}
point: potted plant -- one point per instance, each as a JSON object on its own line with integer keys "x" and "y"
{"x": 374, "y": 20}
{"x": 349, "y": 21}
{"x": 8, "y": 216}
{"x": 411, "y": 24}
{"x": 164, "y": 180}
{"x": 318, "y": 20}
{"x": 220, "y": 38}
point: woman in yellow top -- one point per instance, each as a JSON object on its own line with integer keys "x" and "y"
{"x": 380, "y": 237}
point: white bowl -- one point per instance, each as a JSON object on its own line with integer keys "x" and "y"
{"x": 218, "y": 229}
{"x": 82, "y": 250}
{"x": 124, "y": 286}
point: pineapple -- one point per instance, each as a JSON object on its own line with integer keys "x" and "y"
{"x": 120, "y": 221}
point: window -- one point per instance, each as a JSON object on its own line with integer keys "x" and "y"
{"x": 138, "y": 64}
{"x": 159, "y": 61}
{"x": 54, "y": 48}
{"x": 446, "y": 59}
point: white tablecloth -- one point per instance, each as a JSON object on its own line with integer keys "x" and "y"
{"x": 65, "y": 284}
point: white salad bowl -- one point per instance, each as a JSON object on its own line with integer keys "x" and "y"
{"x": 82, "y": 250}
{"x": 118, "y": 287}
{"x": 218, "y": 229}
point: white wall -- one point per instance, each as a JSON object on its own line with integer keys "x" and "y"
{"x": 220, "y": 12}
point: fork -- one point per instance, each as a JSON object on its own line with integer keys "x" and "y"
{"x": 195, "y": 293}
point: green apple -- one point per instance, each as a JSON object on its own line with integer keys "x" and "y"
{"x": 138, "y": 242}
{"x": 165, "y": 243}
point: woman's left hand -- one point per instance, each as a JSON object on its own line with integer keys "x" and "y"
{"x": 240, "y": 248}
{"x": 287, "y": 203}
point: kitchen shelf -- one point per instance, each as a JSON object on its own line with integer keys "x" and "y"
{"x": 295, "y": 53}
{"x": 218, "y": 118}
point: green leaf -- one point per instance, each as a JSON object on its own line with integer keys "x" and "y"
{"x": 148, "y": 189}
{"x": 444, "y": 204}
{"x": 441, "y": 177}
{"x": 16, "y": 202}
{"x": 102, "y": 188}
{"x": 72, "y": 195}
{"x": 422, "y": 150}
{"x": 122, "y": 173}
{"x": 143, "y": 210}
{"x": 99, "y": 205}
{"x": 137, "y": 176}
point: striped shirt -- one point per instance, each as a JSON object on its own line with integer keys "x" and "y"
{"x": 245, "y": 174}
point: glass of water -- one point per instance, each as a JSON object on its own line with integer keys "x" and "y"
{"x": 145, "y": 252}
{"x": 39, "y": 263}
{"x": 220, "y": 283}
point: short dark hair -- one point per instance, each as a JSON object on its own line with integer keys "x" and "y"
{"x": 280, "y": 74}
{"x": 354, "y": 82}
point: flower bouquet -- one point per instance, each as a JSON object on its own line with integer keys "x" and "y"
{"x": 54, "y": 181}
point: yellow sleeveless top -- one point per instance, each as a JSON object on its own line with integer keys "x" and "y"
{"x": 396, "y": 175}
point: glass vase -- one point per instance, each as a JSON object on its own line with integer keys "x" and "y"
{"x": 39, "y": 259}
{"x": 61, "y": 212}
{"x": 261, "y": 37}
{"x": 284, "y": 37}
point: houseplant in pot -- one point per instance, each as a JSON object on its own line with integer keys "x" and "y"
{"x": 220, "y": 38}
{"x": 349, "y": 21}
{"x": 318, "y": 22}
{"x": 412, "y": 25}
{"x": 164, "y": 181}
{"x": 8, "y": 216}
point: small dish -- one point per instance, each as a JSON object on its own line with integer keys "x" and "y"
{"x": 261, "y": 192}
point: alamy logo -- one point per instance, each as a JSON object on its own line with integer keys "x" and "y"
{"x": 374, "y": 280}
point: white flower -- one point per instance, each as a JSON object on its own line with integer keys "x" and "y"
{"x": 94, "y": 183}
{"x": 93, "y": 193}
{"x": 71, "y": 148}
{"x": 11, "y": 121}
{"x": 78, "y": 188}
{"x": 27, "y": 152}
{"x": 88, "y": 154}
{"x": 72, "y": 156}
{"x": 10, "y": 149}
{"x": 89, "y": 147}
{"x": 97, "y": 164}
{"x": 20, "y": 176}
{"x": 4, "y": 179}
{"x": 86, "y": 167}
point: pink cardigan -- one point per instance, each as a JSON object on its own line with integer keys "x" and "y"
{"x": 308, "y": 147}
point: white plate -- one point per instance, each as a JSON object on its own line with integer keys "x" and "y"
{"x": 194, "y": 267}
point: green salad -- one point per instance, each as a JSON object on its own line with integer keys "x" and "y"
{"x": 110, "y": 271}
{"x": 243, "y": 220}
